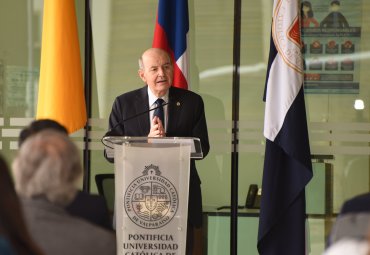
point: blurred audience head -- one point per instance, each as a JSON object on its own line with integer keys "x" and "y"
{"x": 37, "y": 126}
{"x": 12, "y": 223}
{"x": 47, "y": 165}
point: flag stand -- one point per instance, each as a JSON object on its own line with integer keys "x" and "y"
{"x": 88, "y": 64}
{"x": 235, "y": 130}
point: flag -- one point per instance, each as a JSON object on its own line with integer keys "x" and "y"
{"x": 171, "y": 33}
{"x": 61, "y": 94}
{"x": 287, "y": 164}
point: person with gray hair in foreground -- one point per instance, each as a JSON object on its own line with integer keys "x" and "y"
{"x": 46, "y": 170}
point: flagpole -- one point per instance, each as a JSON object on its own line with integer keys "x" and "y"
{"x": 88, "y": 64}
{"x": 235, "y": 129}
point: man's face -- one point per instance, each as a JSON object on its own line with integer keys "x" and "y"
{"x": 157, "y": 71}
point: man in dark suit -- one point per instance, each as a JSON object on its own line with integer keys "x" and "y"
{"x": 183, "y": 117}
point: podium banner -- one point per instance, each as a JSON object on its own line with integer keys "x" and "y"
{"x": 151, "y": 198}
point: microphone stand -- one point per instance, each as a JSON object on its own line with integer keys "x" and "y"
{"x": 110, "y": 132}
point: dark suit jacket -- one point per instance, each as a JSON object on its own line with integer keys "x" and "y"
{"x": 92, "y": 208}
{"x": 186, "y": 118}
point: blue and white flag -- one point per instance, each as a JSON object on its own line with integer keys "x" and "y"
{"x": 287, "y": 165}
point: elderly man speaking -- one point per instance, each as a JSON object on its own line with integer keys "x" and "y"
{"x": 182, "y": 115}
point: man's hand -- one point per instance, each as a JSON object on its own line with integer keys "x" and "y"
{"x": 156, "y": 129}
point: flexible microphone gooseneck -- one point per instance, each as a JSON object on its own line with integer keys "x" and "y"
{"x": 111, "y": 131}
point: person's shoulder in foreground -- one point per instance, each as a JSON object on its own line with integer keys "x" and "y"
{"x": 15, "y": 237}
{"x": 5, "y": 247}
{"x": 88, "y": 206}
{"x": 55, "y": 230}
{"x": 46, "y": 171}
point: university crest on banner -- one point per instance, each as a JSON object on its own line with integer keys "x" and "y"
{"x": 286, "y": 35}
{"x": 287, "y": 163}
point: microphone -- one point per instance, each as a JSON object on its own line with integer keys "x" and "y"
{"x": 112, "y": 132}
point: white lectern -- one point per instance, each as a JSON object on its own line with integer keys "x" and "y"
{"x": 151, "y": 192}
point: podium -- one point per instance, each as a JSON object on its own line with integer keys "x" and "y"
{"x": 151, "y": 192}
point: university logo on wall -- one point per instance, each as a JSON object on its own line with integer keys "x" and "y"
{"x": 151, "y": 200}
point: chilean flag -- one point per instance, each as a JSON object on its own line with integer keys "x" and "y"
{"x": 171, "y": 32}
{"x": 287, "y": 165}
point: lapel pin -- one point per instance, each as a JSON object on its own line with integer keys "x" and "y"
{"x": 178, "y": 103}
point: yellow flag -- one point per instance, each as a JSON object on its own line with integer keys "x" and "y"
{"x": 61, "y": 95}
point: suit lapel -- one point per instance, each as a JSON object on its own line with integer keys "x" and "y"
{"x": 173, "y": 110}
{"x": 142, "y": 105}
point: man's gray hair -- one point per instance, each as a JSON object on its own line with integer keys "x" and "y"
{"x": 48, "y": 164}
{"x": 141, "y": 63}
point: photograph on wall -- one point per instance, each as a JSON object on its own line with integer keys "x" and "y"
{"x": 331, "y": 35}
